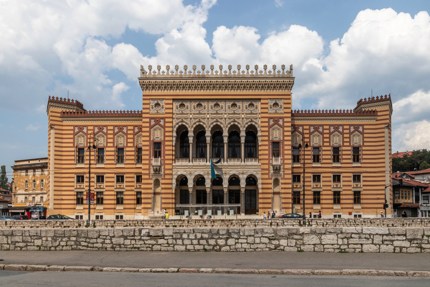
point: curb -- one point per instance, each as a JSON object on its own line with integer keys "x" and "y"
{"x": 188, "y": 270}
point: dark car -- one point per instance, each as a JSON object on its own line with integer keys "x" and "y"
{"x": 291, "y": 215}
{"x": 58, "y": 217}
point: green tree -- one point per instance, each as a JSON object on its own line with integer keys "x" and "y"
{"x": 424, "y": 165}
{"x": 3, "y": 178}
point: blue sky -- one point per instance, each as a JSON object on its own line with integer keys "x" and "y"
{"x": 342, "y": 50}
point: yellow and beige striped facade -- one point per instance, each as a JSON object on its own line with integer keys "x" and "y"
{"x": 221, "y": 142}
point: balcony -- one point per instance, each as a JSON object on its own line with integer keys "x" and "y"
{"x": 276, "y": 164}
{"x": 251, "y": 160}
{"x": 156, "y": 165}
{"x": 182, "y": 160}
{"x": 316, "y": 184}
{"x": 356, "y": 184}
{"x": 337, "y": 184}
{"x": 80, "y": 186}
{"x": 100, "y": 185}
{"x": 119, "y": 185}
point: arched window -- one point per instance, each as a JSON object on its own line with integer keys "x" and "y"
{"x": 217, "y": 145}
{"x": 217, "y": 181}
{"x": 234, "y": 181}
{"x": 251, "y": 181}
{"x": 234, "y": 145}
{"x": 184, "y": 145}
{"x": 251, "y": 145}
{"x": 201, "y": 144}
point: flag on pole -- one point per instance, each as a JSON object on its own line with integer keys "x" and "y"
{"x": 215, "y": 170}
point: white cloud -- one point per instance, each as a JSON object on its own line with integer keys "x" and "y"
{"x": 413, "y": 107}
{"x": 117, "y": 91}
{"x": 412, "y": 136}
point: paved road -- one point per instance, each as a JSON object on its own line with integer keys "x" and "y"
{"x": 93, "y": 279}
{"x": 243, "y": 260}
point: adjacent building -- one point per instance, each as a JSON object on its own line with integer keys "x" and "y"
{"x": 30, "y": 183}
{"x": 219, "y": 141}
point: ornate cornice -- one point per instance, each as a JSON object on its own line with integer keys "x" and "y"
{"x": 165, "y": 80}
{"x": 101, "y": 114}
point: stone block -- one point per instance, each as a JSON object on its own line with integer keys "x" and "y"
{"x": 370, "y": 248}
{"x": 375, "y": 230}
{"x": 386, "y": 248}
{"x": 311, "y": 239}
{"x": 401, "y": 243}
{"x": 329, "y": 239}
{"x": 414, "y": 233}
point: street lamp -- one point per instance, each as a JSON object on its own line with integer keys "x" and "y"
{"x": 93, "y": 146}
{"x": 304, "y": 146}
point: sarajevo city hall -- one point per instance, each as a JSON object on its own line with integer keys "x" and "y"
{"x": 218, "y": 141}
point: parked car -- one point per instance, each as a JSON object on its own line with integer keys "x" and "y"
{"x": 19, "y": 217}
{"x": 58, "y": 217}
{"x": 291, "y": 215}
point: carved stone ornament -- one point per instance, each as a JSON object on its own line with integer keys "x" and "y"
{"x": 276, "y": 106}
{"x": 157, "y": 107}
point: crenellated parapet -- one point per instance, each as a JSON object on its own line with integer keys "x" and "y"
{"x": 334, "y": 113}
{"x": 372, "y": 100}
{"x": 374, "y": 103}
{"x": 64, "y": 103}
{"x": 216, "y": 78}
{"x": 101, "y": 114}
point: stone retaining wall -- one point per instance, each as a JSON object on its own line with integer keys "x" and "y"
{"x": 250, "y": 238}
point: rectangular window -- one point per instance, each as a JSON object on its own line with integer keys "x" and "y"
{"x": 100, "y": 155}
{"x": 120, "y": 155}
{"x": 41, "y": 199}
{"x": 276, "y": 152}
{"x": 296, "y": 197}
{"x": 337, "y": 178}
{"x": 79, "y": 198}
{"x": 426, "y": 199}
{"x": 119, "y": 217}
{"x": 99, "y": 197}
{"x": 138, "y": 178}
{"x": 356, "y": 178}
{"x": 139, "y": 155}
{"x": 336, "y": 154}
{"x": 336, "y": 197}
{"x": 99, "y": 216}
{"x": 337, "y": 215}
{"x": 100, "y": 179}
{"x": 356, "y": 154}
{"x": 79, "y": 216}
{"x": 120, "y": 178}
{"x": 316, "y": 155}
{"x": 296, "y": 178}
{"x": 317, "y": 197}
{"x": 357, "y": 215}
{"x": 316, "y": 178}
{"x": 26, "y": 184}
{"x": 119, "y": 197}
{"x": 138, "y": 197}
{"x": 80, "y": 158}
{"x": 357, "y": 197}
{"x": 42, "y": 184}
{"x": 296, "y": 154}
{"x": 80, "y": 179}
{"x": 157, "y": 149}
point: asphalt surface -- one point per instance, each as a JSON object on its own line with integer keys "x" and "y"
{"x": 221, "y": 262}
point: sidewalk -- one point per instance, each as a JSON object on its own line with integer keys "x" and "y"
{"x": 294, "y": 263}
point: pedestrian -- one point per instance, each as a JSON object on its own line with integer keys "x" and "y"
{"x": 319, "y": 214}
{"x": 404, "y": 214}
{"x": 166, "y": 215}
{"x": 268, "y": 214}
{"x": 273, "y": 214}
{"x": 264, "y": 216}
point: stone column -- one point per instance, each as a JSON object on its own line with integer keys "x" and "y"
{"x": 242, "y": 150}
{"x": 190, "y": 153}
{"x": 209, "y": 198}
{"x": 208, "y": 144}
{"x": 225, "y": 148}
{"x": 226, "y": 198}
{"x": 242, "y": 200}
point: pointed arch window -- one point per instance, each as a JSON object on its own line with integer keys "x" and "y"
{"x": 184, "y": 145}
{"x": 234, "y": 145}
{"x": 217, "y": 145}
{"x": 251, "y": 145}
{"x": 201, "y": 144}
